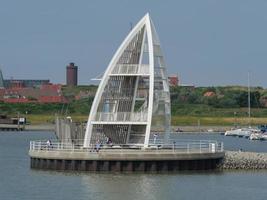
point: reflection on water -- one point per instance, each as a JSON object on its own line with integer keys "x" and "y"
{"x": 233, "y": 185}
{"x": 18, "y": 181}
{"x": 121, "y": 186}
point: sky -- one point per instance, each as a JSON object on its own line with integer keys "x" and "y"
{"x": 207, "y": 42}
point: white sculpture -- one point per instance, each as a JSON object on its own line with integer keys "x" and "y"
{"x": 133, "y": 96}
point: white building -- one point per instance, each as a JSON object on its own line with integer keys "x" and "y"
{"x": 133, "y": 98}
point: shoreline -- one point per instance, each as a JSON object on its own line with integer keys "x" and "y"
{"x": 40, "y": 127}
{"x": 182, "y": 129}
{"x": 37, "y": 127}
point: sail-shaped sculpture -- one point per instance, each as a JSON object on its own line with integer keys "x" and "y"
{"x": 133, "y": 98}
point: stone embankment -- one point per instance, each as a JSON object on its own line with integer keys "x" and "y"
{"x": 244, "y": 160}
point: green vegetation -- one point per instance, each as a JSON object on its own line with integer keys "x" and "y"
{"x": 46, "y": 118}
{"x": 218, "y": 97}
{"x": 81, "y": 106}
{"x": 216, "y": 121}
{"x": 71, "y": 92}
{"x": 202, "y": 110}
{"x": 29, "y": 108}
{"x": 209, "y": 105}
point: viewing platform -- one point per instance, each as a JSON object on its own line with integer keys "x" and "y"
{"x": 130, "y": 70}
{"x": 159, "y": 157}
{"x": 120, "y": 117}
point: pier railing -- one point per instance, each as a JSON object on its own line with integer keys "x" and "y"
{"x": 183, "y": 146}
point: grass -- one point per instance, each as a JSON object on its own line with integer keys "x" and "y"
{"x": 201, "y": 110}
{"x": 46, "y": 118}
{"x": 176, "y": 120}
{"x": 216, "y": 121}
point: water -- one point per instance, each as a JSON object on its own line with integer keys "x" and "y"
{"x": 18, "y": 181}
{"x": 230, "y": 143}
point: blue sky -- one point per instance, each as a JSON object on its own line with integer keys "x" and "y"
{"x": 207, "y": 42}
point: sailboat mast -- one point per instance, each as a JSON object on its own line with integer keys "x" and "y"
{"x": 249, "y": 105}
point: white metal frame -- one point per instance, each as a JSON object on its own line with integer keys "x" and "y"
{"x": 148, "y": 32}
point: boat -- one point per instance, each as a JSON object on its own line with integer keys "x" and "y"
{"x": 232, "y": 132}
{"x": 263, "y": 128}
{"x": 258, "y": 136}
{"x": 244, "y": 132}
{"x": 241, "y": 132}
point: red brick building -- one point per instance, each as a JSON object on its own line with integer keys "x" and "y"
{"x": 173, "y": 80}
{"x": 71, "y": 75}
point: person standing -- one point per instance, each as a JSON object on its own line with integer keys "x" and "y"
{"x": 97, "y": 146}
{"x": 155, "y": 137}
{"x": 48, "y": 144}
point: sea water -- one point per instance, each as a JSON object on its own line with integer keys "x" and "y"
{"x": 19, "y": 181}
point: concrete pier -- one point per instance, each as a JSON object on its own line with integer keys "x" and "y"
{"x": 126, "y": 160}
{"x": 11, "y": 127}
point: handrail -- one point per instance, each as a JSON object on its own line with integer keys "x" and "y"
{"x": 201, "y": 146}
{"x": 121, "y": 116}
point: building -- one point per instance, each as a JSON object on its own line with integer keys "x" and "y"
{"x": 30, "y": 91}
{"x": 71, "y": 75}
{"x": 45, "y": 94}
{"x": 173, "y": 80}
{"x": 133, "y": 97}
{"x": 26, "y": 83}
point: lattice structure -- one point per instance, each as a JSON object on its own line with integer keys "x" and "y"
{"x": 133, "y": 96}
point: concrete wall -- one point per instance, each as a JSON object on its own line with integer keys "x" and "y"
{"x": 119, "y": 160}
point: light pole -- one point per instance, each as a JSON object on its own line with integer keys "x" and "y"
{"x": 235, "y": 119}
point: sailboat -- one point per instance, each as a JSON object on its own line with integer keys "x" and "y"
{"x": 244, "y": 132}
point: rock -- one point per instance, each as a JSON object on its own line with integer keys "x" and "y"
{"x": 244, "y": 160}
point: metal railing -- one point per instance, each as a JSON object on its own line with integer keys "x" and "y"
{"x": 182, "y": 146}
{"x": 121, "y": 116}
{"x": 131, "y": 69}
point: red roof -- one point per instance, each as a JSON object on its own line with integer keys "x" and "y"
{"x": 209, "y": 94}
{"x": 52, "y": 99}
{"x": 46, "y": 94}
{"x": 17, "y": 100}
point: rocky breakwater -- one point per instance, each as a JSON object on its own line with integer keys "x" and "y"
{"x": 244, "y": 160}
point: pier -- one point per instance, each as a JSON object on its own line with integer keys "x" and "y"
{"x": 175, "y": 156}
{"x": 131, "y": 107}
{"x": 11, "y": 127}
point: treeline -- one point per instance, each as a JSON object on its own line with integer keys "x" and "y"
{"x": 185, "y": 101}
{"x": 219, "y": 97}
{"x": 75, "y": 107}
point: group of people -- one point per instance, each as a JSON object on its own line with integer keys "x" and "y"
{"x": 98, "y": 143}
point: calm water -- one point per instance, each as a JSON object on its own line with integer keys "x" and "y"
{"x": 18, "y": 181}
